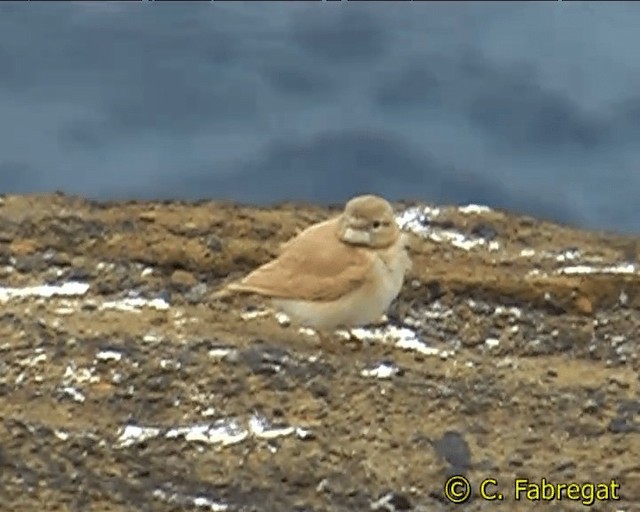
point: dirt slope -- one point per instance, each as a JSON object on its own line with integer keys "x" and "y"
{"x": 512, "y": 352}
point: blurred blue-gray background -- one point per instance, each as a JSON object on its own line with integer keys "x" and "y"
{"x": 534, "y": 107}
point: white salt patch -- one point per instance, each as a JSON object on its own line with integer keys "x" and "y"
{"x": 385, "y": 503}
{"x": 283, "y": 319}
{"x": 382, "y": 371}
{"x": 345, "y": 335}
{"x": 169, "y": 364}
{"x": 492, "y": 342}
{"x": 412, "y": 322}
{"x": 416, "y": 220}
{"x": 133, "y": 434}
{"x": 63, "y": 435}
{"x": 418, "y": 346}
{"x": 259, "y": 427}
{"x": 220, "y": 352}
{"x": 224, "y": 432}
{"x": 303, "y": 433}
{"x": 569, "y": 255}
{"x": 146, "y": 272}
{"x": 196, "y": 501}
{"x": 250, "y": 315}
{"x": 623, "y": 298}
{"x": 314, "y": 358}
{"x": 135, "y": 304}
{"x": 628, "y": 268}
{"x": 507, "y": 362}
{"x": 202, "y": 502}
{"x": 33, "y": 361}
{"x": 474, "y": 208}
{"x": 456, "y": 239}
{"x": 307, "y": 331}
{"x": 74, "y": 394}
{"x": 45, "y": 291}
{"x": 618, "y": 339}
{"x": 65, "y": 311}
{"x": 150, "y": 338}
{"x": 109, "y": 355}
{"x": 79, "y": 375}
{"x": 512, "y": 311}
{"x": 401, "y": 337}
{"x": 526, "y": 253}
{"x": 323, "y": 486}
{"x": 437, "y": 310}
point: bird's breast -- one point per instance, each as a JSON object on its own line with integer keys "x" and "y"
{"x": 391, "y": 266}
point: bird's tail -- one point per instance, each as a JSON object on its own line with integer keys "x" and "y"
{"x": 228, "y": 290}
{"x": 222, "y": 293}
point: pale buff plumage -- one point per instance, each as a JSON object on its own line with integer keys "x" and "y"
{"x": 343, "y": 272}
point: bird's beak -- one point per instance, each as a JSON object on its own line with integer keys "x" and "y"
{"x": 357, "y": 236}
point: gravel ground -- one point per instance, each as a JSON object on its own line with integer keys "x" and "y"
{"x": 512, "y": 353}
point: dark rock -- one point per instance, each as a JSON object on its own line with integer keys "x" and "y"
{"x": 30, "y": 264}
{"x": 483, "y": 230}
{"x": 392, "y": 502}
{"x": 453, "y": 448}
{"x": 214, "y": 243}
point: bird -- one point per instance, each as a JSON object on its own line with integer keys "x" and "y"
{"x": 340, "y": 273}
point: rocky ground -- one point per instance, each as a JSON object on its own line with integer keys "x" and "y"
{"x": 512, "y": 352}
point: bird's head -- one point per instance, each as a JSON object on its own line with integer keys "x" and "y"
{"x": 368, "y": 221}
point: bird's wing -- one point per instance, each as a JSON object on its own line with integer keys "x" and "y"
{"x": 315, "y": 265}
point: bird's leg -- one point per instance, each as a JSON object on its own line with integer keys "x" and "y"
{"x": 322, "y": 337}
{"x": 382, "y": 321}
{"x": 355, "y": 342}
{"x": 328, "y": 342}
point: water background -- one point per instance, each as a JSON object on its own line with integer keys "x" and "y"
{"x": 530, "y": 106}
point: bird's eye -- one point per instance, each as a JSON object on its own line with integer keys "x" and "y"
{"x": 376, "y": 224}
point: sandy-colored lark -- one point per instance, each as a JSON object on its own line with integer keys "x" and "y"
{"x": 340, "y": 273}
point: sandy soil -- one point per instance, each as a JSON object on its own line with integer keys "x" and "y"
{"x": 512, "y": 353}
